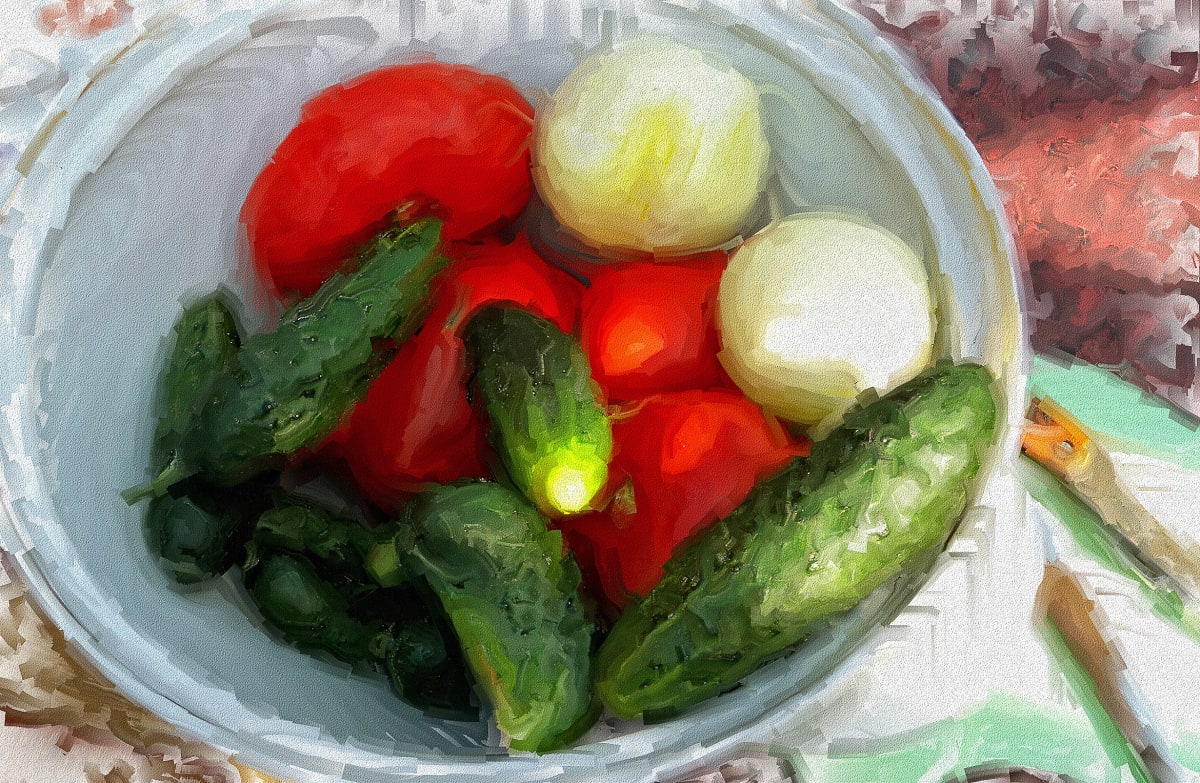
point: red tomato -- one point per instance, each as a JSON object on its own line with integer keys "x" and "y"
{"x": 690, "y": 458}
{"x": 649, "y": 327}
{"x": 489, "y": 272}
{"x": 428, "y": 138}
{"x": 415, "y": 425}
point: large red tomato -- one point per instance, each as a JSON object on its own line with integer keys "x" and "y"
{"x": 428, "y": 138}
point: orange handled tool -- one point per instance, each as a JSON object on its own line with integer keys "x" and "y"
{"x": 1056, "y": 441}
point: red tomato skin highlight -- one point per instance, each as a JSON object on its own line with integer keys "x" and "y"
{"x": 649, "y": 327}
{"x": 691, "y": 457}
{"x": 432, "y": 138}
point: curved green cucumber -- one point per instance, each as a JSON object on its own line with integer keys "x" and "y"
{"x": 427, "y": 671}
{"x": 546, "y": 422}
{"x": 190, "y": 539}
{"x": 294, "y": 525}
{"x": 512, "y": 598}
{"x": 806, "y": 546}
{"x": 288, "y": 389}
{"x": 194, "y": 533}
{"x": 320, "y": 595}
{"x": 197, "y": 529}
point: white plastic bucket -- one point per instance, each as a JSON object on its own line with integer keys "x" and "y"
{"x": 131, "y": 206}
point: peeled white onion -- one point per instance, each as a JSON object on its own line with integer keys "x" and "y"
{"x": 653, "y": 146}
{"x": 818, "y": 308}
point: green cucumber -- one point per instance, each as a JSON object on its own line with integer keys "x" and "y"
{"x": 807, "y": 545}
{"x": 306, "y": 570}
{"x": 512, "y": 598}
{"x": 296, "y": 526}
{"x": 547, "y": 423}
{"x": 310, "y": 612}
{"x": 287, "y": 389}
{"x": 207, "y": 339}
{"x": 197, "y": 530}
{"x": 194, "y": 528}
{"x": 423, "y": 663}
{"x": 189, "y": 538}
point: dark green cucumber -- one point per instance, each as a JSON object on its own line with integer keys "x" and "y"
{"x": 334, "y": 605}
{"x": 207, "y": 340}
{"x": 191, "y": 540}
{"x": 288, "y": 389}
{"x": 296, "y": 526}
{"x": 193, "y": 533}
{"x": 197, "y": 530}
{"x": 547, "y": 424}
{"x": 423, "y": 662}
{"x": 512, "y": 598}
{"x": 427, "y": 672}
{"x": 311, "y": 612}
{"x": 880, "y": 495}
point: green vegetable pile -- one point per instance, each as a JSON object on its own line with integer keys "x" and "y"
{"x": 466, "y": 597}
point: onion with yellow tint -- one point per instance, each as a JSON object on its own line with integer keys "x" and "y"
{"x": 653, "y": 147}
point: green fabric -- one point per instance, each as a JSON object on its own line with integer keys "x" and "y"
{"x": 1128, "y": 418}
{"x": 1187, "y": 751}
{"x": 1005, "y": 731}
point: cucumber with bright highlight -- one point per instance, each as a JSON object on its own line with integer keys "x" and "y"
{"x": 547, "y": 423}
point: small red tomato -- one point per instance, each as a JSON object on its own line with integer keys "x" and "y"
{"x": 415, "y": 425}
{"x": 649, "y": 327}
{"x": 489, "y": 272}
{"x": 428, "y": 138}
{"x": 691, "y": 457}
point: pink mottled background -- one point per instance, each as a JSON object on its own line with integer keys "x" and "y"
{"x": 1087, "y": 116}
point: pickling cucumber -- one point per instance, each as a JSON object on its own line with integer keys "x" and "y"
{"x": 807, "y": 545}
{"x": 191, "y": 540}
{"x": 310, "y": 611}
{"x": 423, "y": 662}
{"x": 197, "y": 530}
{"x": 207, "y": 339}
{"x": 547, "y": 423}
{"x": 512, "y": 598}
{"x": 193, "y": 528}
{"x": 287, "y": 389}
{"x": 300, "y": 527}
{"x": 306, "y": 572}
